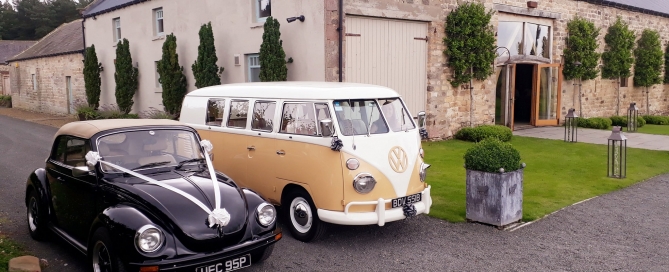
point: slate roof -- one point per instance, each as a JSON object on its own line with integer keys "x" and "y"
{"x": 653, "y": 7}
{"x": 68, "y": 38}
{"x": 103, "y": 6}
{"x": 10, "y": 48}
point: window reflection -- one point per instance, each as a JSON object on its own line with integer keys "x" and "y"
{"x": 523, "y": 39}
{"x": 510, "y": 35}
{"x": 263, "y": 116}
{"x": 298, "y": 118}
{"x": 536, "y": 40}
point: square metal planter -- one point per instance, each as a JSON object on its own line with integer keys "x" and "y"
{"x": 495, "y": 198}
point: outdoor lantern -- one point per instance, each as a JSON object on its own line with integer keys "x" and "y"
{"x": 571, "y": 126}
{"x": 617, "y": 149}
{"x": 632, "y": 118}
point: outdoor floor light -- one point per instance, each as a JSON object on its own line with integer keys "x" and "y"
{"x": 632, "y": 118}
{"x": 617, "y": 157}
{"x": 571, "y": 126}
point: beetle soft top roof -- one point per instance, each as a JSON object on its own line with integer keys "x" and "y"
{"x": 86, "y": 129}
{"x": 297, "y": 90}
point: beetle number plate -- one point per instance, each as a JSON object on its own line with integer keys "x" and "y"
{"x": 227, "y": 265}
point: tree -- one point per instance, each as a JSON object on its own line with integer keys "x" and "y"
{"x": 33, "y": 19}
{"x": 581, "y": 46}
{"x": 666, "y": 64}
{"x": 205, "y": 69}
{"x": 648, "y": 64}
{"x": 126, "y": 76}
{"x": 92, "y": 79}
{"x": 172, "y": 78}
{"x": 617, "y": 59}
{"x": 470, "y": 46}
{"x": 272, "y": 57}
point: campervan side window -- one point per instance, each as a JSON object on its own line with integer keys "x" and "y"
{"x": 298, "y": 118}
{"x": 238, "y": 117}
{"x": 322, "y": 112}
{"x": 263, "y": 115}
{"x": 215, "y": 109}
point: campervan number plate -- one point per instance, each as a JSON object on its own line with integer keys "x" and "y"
{"x": 227, "y": 265}
{"x": 410, "y": 199}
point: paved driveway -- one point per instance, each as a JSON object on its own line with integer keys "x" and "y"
{"x": 599, "y": 136}
{"x": 625, "y": 231}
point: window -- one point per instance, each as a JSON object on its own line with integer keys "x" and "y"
{"x": 254, "y": 68}
{"x": 263, "y": 115}
{"x": 34, "y": 79}
{"x": 117, "y": 29}
{"x": 215, "y": 109}
{"x": 522, "y": 38}
{"x": 158, "y": 85}
{"x": 263, "y": 9}
{"x": 356, "y": 116}
{"x": 238, "y": 117}
{"x": 396, "y": 115}
{"x": 322, "y": 112}
{"x": 158, "y": 18}
{"x": 298, "y": 118}
{"x": 71, "y": 151}
{"x": 623, "y": 82}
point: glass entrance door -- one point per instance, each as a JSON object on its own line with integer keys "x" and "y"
{"x": 504, "y": 96}
{"x": 547, "y": 95}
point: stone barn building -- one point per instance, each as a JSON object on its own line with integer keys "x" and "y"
{"x": 8, "y": 49}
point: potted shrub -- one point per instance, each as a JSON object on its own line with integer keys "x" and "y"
{"x": 5, "y": 101}
{"x": 84, "y": 111}
{"x": 494, "y": 183}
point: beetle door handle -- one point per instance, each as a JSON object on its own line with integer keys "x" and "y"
{"x": 60, "y": 179}
{"x": 251, "y": 147}
{"x": 280, "y": 152}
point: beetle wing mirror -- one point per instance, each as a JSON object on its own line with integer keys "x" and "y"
{"x": 81, "y": 171}
{"x": 327, "y": 129}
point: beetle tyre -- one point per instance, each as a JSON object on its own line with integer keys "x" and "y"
{"x": 301, "y": 216}
{"x": 36, "y": 217}
{"x": 102, "y": 254}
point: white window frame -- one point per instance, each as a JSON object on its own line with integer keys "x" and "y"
{"x": 256, "y": 6}
{"x": 252, "y": 61}
{"x": 116, "y": 24}
{"x": 34, "y": 79}
{"x": 158, "y": 18}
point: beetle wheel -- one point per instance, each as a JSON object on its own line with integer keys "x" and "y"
{"x": 102, "y": 254}
{"x": 36, "y": 217}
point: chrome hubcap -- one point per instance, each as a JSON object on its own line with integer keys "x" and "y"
{"x": 101, "y": 258}
{"x": 301, "y": 215}
{"x": 32, "y": 214}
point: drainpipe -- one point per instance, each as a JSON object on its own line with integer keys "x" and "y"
{"x": 341, "y": 38}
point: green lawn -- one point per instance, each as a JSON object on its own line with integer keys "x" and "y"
{"x": 557, "y": 174}
{"x": 655, "y": 129}
{"x": 8, "y": 250}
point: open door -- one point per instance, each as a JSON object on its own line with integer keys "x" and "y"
{"x": 546, "y": 96}
{"x": 511, "y": 93}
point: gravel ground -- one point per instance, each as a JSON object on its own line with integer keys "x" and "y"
{"x": 36, "y": 117}
{"x": 622, "y": 231}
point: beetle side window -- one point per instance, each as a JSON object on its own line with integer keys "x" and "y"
{"x": 215, "y": 108}
{"x": 58, "y": 153}
{"x": 263, "y": 115}
{"x": 298, "y": 118}
{"x": 71, "y": 151}
{"x": 238, "y": 116}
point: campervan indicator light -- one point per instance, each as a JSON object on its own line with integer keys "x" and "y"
{"x": 352, "y": 164}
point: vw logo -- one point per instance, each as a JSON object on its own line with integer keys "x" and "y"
{"x": 398, "y": 159}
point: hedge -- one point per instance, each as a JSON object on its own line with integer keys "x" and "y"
{"x": 622, "y": 121}
{"x": 491, "y": 155}
{"x": 656, "y": 120}
{"x": 479, "y": 133}
{"x": 595, "y": 122}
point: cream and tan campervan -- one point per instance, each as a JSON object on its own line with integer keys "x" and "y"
{"x": 340, "y": 153}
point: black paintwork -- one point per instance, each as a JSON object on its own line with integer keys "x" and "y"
{"x": 123, "y": 204}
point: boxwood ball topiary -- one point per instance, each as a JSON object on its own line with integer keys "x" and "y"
{"x": 491, "y": 155}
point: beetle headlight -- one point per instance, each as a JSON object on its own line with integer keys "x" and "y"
{"x": 149, "y": 239}
{"x": 364, "y": 183}
{"x": 266, "y": 214}
{"x": 423, "y": 171}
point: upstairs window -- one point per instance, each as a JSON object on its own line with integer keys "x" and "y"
{"x": 158, "y": 18}
{"x": 215, "y": 109}
{"x": 117, "y": 29}
{"x": 263, "y": 9}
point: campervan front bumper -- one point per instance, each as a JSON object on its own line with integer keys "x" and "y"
{"x": 380, "y": 216}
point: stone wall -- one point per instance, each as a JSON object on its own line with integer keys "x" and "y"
{"x": 51, "y": 94}
{"x": 448, "y": 107}
{"x": 4, "y": 70}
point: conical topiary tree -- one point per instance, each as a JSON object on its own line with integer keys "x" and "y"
{"x": 666, "y": 64}
{"x": 172, "y": 78}
{"x": 126, "y": 77}
{"x": 648, "y": 64}
{"x": 617, "y": 59}
{"x": 205, "y": 69}
{"x": 272, "y": 57}
{"x": 581, "y": 47}
{"x": 92, "y": 79}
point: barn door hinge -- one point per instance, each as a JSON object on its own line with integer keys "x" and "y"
{"x": 421, "y": 38}
{"x": 353, "y": 34}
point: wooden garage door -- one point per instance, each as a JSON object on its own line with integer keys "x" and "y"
{"x": 391, "y": 53}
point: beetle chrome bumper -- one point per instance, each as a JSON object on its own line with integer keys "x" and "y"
{"x": 379, "y": 217}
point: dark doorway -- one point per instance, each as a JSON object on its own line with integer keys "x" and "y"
{"x": 522, "y": 112}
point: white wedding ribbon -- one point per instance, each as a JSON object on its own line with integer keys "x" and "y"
{"x": 217, "y": 216}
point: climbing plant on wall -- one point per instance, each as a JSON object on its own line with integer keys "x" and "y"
{"x": 666, "y": 64}
{"x": 648, "y": 64}
{"x": 617, "y": 58}
{"x": 581, "y": 46}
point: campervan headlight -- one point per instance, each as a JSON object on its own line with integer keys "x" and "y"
{"x": 364, "y": 183}
{"x": 423, "y": 171}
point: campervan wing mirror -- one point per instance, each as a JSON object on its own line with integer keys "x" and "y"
{"x": 327, "y": 129}
{"x": 421, "y": 119}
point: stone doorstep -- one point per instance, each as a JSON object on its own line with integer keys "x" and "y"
{"x": 24, "y": 264}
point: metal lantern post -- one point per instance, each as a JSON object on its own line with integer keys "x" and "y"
{"x": 632, "y": 118}
{"x": 571, "y": 126}
{"x": 617, "y": 157}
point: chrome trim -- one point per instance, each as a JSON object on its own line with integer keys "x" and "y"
{"x": 142, "y": 230}
{"x": 361, "y": 175}
{"x": 423, "y": 171}
{"x": 262, "y": 205}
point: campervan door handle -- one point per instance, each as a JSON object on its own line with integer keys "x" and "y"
{"x": 251, "y": 147}
{"x": 279, "y": 152}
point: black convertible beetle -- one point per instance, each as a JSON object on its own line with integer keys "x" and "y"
{"x": 138, "y": 195}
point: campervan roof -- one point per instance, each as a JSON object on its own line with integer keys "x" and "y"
{"x": 296, "y": 90}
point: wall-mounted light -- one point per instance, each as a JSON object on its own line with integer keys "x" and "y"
{"x": 292, "y": 19}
